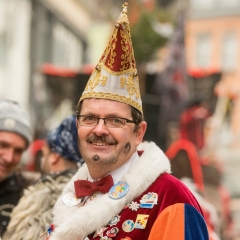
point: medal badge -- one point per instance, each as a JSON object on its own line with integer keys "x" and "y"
{"x": 70, "y": 199}
{"x": 118, "y": 190}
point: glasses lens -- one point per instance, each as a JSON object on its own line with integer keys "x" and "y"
{"x": 115, "y": 122}
{"x": 87, "y": 120}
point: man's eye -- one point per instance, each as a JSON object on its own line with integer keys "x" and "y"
{"x": 3, "y": 145}
{"x": 88, "y": 118}
{"x": 117, "y": 120}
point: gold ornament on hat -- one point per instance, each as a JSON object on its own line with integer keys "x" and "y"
{"x": 115, "y": 76}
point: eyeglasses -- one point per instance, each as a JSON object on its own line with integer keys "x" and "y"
{"x": 112, "y": 122}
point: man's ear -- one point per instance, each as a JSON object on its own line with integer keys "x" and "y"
{"x": 55, "y": 158}
{"x": 77, "y": 123}
{"x": 141, "y": 132}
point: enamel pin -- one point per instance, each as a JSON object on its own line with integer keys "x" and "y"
{"x": 114, "y": 220}
{"x": 141, "y": 221}
{"x": 118, "y": 190}
{"x": 148, "y": 200}
{"x": 128, "y": 226}
{"x": 112, "y": 232}
{"x": 99, "y": 232}
{"x": 134, "y": 206}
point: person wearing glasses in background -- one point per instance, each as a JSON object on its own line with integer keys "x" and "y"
{"x": 124, "y": 191}
{"x": 60, "y": 161}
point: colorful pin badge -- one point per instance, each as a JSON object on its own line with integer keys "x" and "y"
{"x": 99, "y": 232}
{"x": 146, "y": 205}
{"x": 48, "y": 231}
{"x": 70, "y": 199}
{"x": 141, "y": 221}
{"x": 148, "y": 200}
{"x": 118, "y": 190}
{"x": 134, "y": 206}
{"x": 114, "y": 220}
{"x": 128, "y": 226}
{"x": 112, "y": 232}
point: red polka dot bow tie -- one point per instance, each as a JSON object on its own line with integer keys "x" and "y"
{"x": 85, "y": 188}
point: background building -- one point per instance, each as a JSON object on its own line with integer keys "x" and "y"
{"x": 212, "y": 38}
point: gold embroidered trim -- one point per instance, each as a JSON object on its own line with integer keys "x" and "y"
{"x": 127, "y": 71}
{"x": 132, "y": 86}
{"x": 111, "y": 96}
{"x": 131, "y": 83}
{"x": 95, "y": 79}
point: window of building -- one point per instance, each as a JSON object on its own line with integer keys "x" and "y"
{"x": 67, "y": 48}
{"x": 229, "y": 52}
{"x": 203, "y": 50}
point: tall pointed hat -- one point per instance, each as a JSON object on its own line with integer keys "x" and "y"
{"x": 115, "y": 76}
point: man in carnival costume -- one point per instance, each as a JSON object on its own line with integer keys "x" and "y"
{"x": 59, "y": 163}
{"x": 125, "y": 190}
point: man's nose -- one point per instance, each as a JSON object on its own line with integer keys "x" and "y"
{"x": 8, "y": 155}
{"x": 100, "y": 128}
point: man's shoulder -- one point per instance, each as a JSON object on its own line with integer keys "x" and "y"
{"x": 169, "y": 186}
{"x": 167, "y": 178}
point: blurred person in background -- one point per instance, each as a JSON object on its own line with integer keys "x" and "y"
{"x": 60, "y": 161}
{"x": 192, "y": 122}
{"x": 16, "y": 133}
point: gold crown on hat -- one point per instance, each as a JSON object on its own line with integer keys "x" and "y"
{"x": 115, "y": 76}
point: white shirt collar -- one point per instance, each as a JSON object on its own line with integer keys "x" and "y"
{"x": 119, "y": 172}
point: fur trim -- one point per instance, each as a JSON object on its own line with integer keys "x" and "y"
{"x": 33, "y": 214}
{"x": 76, "y": 222}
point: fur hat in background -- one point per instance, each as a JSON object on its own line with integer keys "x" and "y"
{"x": 15, "y": 118}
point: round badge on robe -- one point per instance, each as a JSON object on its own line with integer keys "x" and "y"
{"x": 70, "y": 199}
{"x": 118, "y": 190}
{"x": 128, "y": 225}
{"x": 114, "y": 220}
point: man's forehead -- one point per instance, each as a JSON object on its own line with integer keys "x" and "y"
{"x": 95, "y": 102}
{"x": 13, "y": 139}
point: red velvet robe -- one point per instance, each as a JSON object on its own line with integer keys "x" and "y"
{"x": 170, "y": 191}
{"x": 150, "y": 173}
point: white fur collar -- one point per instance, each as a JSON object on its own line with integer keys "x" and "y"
{"x": 76, "y": 222}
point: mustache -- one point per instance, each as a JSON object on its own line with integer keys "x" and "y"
{"x": 102, "y": 139}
